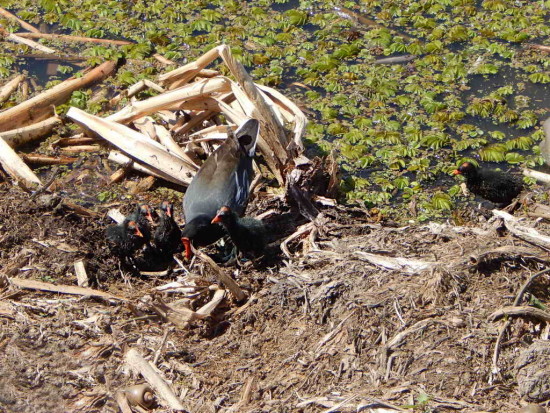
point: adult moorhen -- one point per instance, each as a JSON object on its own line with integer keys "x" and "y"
{"x": 168, "y": 234}
{"x": 223, "y": 179}
{"x": 125, "y": 239}
{"x": 248, "y": 234}
{"x": 497, "y": 187}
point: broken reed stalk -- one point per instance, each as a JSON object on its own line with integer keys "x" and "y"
{"x": 125, "y": 161}
{"x": 10, "y": 87}
{"x": 138, "y": 364}
{"x": 39, "y": 159}
{"x": 68, "y": 38}
{"x": 170, "y": 100}
{"x": 62, "y": 289}
{"x": 221, "y": 276}
{"x": 135, "y": 144}
{"x": 41, "y": 105}
{"x": 16, "y": 168}
{"x": 26, "y": 134}
{"x": 27, "y": 42}
{"x": 22, "y": 23}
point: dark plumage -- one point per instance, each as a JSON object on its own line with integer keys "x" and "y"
{"x": 125, "y": 239}
{"x": 143, "y": 216}
{"x": 168, "y": 234}
{"x": 248, "y": 234}
{"x": 498, "y": 187}
{"x": 224, "y": 179}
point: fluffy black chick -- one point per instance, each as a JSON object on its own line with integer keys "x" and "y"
{"x": 167, "y": 237}
{"x": 125, "y": 239}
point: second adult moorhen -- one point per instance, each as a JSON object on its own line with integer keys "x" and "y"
{"x": 223, "y": 179}
{"x": 248, "y": 234}
{"x": 497, "y": 187}
{"x": 167, "y": 236}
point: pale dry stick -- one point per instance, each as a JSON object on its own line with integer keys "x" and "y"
{"x": 539, "y": 176}
{"x": 136, "y": 144}
{"x": 190, "y": 70}
{"x": 124, "y": 160}
{"x": 528, "y": 234}
{"x": 135, "y": 89}
{"x": 540, "y": 47}
{"x": 27, "y": 42}
{"x": 163, "y": 389}
{"x": 520, "y": 310}
{"x": 302, "y": 230}
{"x": 22, "y": 23}
{"x": 122, "y": 402}
{"x": 62, "y": 289}
{"x": 10, "y": 87}
{"x": 81, "y": 148}
{"x": 221, "y": 276}
{"x": 75, "y": 140}
{"x": 40, "y": 105}
{"x": 166, "y": 139}
{"x": 516, "y": 303}
{"x": 16, "y": 168}
{"x": 39, "y": 159}
{"x": 81, "y": 274}
{"x": 300, "y": 119}
{"x": 162, "y": 345}
{"x": 203, "y": 73}
{"x": 163, "y": 59}
{"x": 171, "y": 100}
{"x": 69, "y": 38}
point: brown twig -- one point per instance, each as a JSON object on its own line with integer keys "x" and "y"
{"x": 68, "y": 38}
{"x": 520, "y": 310}
{"x": 22, "y": 23}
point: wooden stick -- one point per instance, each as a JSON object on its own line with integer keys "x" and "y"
{"x": 81, "y": 274}
{"x": 190, "y": 70}
{"x": 138, "y": 364}
{"x": 539, "y": 47}
{"x": 122, "y": 159}
{"x": 77, "y": 140}
{"x": 68, "y": 38}
{"x": 136, "y": 144}
{"x": 22, "y": 23}
{"x": 62, "y": 289}
{"x": 31, "y": 43}
{"x": 163, "y": 59}
{"x": 81, "y": 148}
{"x": 39, "y": 159}
{"x": 21, "y": 136}
{"x": 135, "y": 89}
{"x": 520, "y": 231}
{"x": 539, "y": 176}
{"x": 143, "y": 185}
{"x": 25, "y": 112}
{"x": 520, "y": 310}
{"x": 10, "y": 87}
{"x": 170, "y": 100}
{"x": 221, "y": 275}
{"x": 15, "y": 166}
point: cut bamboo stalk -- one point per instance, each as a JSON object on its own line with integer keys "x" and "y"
{"x": 172, "y": 99}
{"x": 143, "y": 185}
{"x": 81, "y": 148}
{"x": 136, "y": 145}
{"x": 78, "y": 140}
{"x": 138, "y": 364}
{"x": 166, "y": 139}
{"x": 39, "y": 159}
{"x": 15, "y": 166}
{"x": 135, "y": 89}
{"x": 68, "y": 38}
{"x": 22, "y": 23}
{"x": 122, "y": 159}
{"x": 10, "y": 87}
{"x": 163, "y": 60}
{"x": 273, "y": 132}
{"x": 300, "y": 119}
{"x": 21, "y": 136}
{"x": 539, "y": 176}
{"x": 27, "y": 42}
{"x": 190, "y": 70}
{"x": 25, "y": 112}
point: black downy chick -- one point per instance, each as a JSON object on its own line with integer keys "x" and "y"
{"x": 248, "y": 234}
{"x": 143, "y": 216}
{"x": 497, "y": 187}
{"x": 125, "y": 239}
{"x": 167, "y": 236}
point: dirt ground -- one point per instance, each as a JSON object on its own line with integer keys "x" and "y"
{"x": 326, "y": 331}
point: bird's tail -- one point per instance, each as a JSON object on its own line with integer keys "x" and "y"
{"x": 247, "y": 135}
